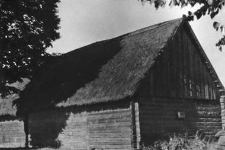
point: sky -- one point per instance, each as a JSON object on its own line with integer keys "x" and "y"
{"x": 87, "y": 21}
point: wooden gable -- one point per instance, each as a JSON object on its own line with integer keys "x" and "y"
{"x": 180, "y": 70}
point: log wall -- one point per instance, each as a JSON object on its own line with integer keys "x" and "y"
{"x": 180, "y": 81}
{"x": 222, "y": 104}
{"x": 110, "y": 130}
{"x": 12, "y": 134}
{"x": 159, "y": 117}
{"x": 105, "y": 129}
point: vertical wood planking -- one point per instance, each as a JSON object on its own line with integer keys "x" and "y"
{"x": 163, "y": 76}
{"x": 191, "y": 65}
{"x": 217, "y": 96}
{"x": 199, "y": 81}
{"x": 197, "y": 76}
{"x": 166, "y": 68}
{"x": 211, "y": 88}
{"x": 209, "y": 92}
{"x": 187, "y": 66}
{"x": 160, "y": 75}
{"x": 204, "y": 80}
{"x": 168, "y": 52}
{"x": 180, "y": 72}
{"x": 174, "y": 68}
{"x": 171, "y": 71}
{"x": 183, "y": 65}
{"x": 180, "y": 64}
{"x": 151, "y": 82}
{"x": 176, "y": 65}
{"x": 155, "y": 81}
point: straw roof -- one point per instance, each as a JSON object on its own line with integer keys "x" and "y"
{"x": 105, "y": 71}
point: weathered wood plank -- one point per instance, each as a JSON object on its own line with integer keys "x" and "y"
{"x": 113, "y": 130}
{"x": 109, "y": 135}
{"x": 117, "y": 147}
{"x": 180, "y": 71}
{"x": 12, "y": 134}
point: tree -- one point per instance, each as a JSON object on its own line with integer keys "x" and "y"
{"x": 27, "y": 29}
{"x": 207, "y": 7}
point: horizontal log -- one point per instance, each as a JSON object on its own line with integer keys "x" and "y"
{"x": 102, "y": 113}
{"x": 109, "y": 140}
{"x": 115, "y": 124}
{"x": 205, "y": 123}
{"x": 78, "y": 143}
{"x": 110, "y": 135}
{"x": 109, "y": 111}
{"x": 118, "y": 116}
{"x": 71, "y": 136}
{"x": 109, "y": 131}
{"x": 103, "y": 120}
{"x": 205, "y": 119}
{"x": 92, "y": 142}
{"x": 112, "y": 146}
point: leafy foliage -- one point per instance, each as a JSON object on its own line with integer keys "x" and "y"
{"x": 27, "y": 29}
{"x": 208, "y": 7}
{"x": 180, "y": 142}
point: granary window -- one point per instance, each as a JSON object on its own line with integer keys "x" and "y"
{"x": 185, "y": 87}
{"x": 211, "y": 92}
{"x": 206, "y": 92}
{"x": 198, "y": 90}
{"x": 214, "y": 94}
{"x": 190, "y": 88}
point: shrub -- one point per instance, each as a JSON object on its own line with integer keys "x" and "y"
{"x": 179, "y": 142}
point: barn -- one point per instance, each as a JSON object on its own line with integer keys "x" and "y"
{"x": 119, "y": 94}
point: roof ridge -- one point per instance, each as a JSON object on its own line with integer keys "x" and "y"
{"x": 132, "y": 33}
{"x": 126, "y": 35}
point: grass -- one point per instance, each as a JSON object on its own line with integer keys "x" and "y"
{"x": 183, "y": 142}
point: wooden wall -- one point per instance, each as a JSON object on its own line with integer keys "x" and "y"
{"x": 159, "y": 117}
{"x": 179, "y": 81}
{"x": 222, "y": 104}
{"x": 12, "y": 134}
{"x": 68, "y": 129}
{"x": 180, "y": 71}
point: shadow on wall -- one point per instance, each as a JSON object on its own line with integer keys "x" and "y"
{"x": 57, "y": 82}
{"x": 64, "y": 127}
{"x": 63, "y": 78}
{"x": 44, "y": 128}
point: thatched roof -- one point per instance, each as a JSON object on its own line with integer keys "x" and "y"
{"x": 105, "y": 71}
{"x": 119, "y": 77}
